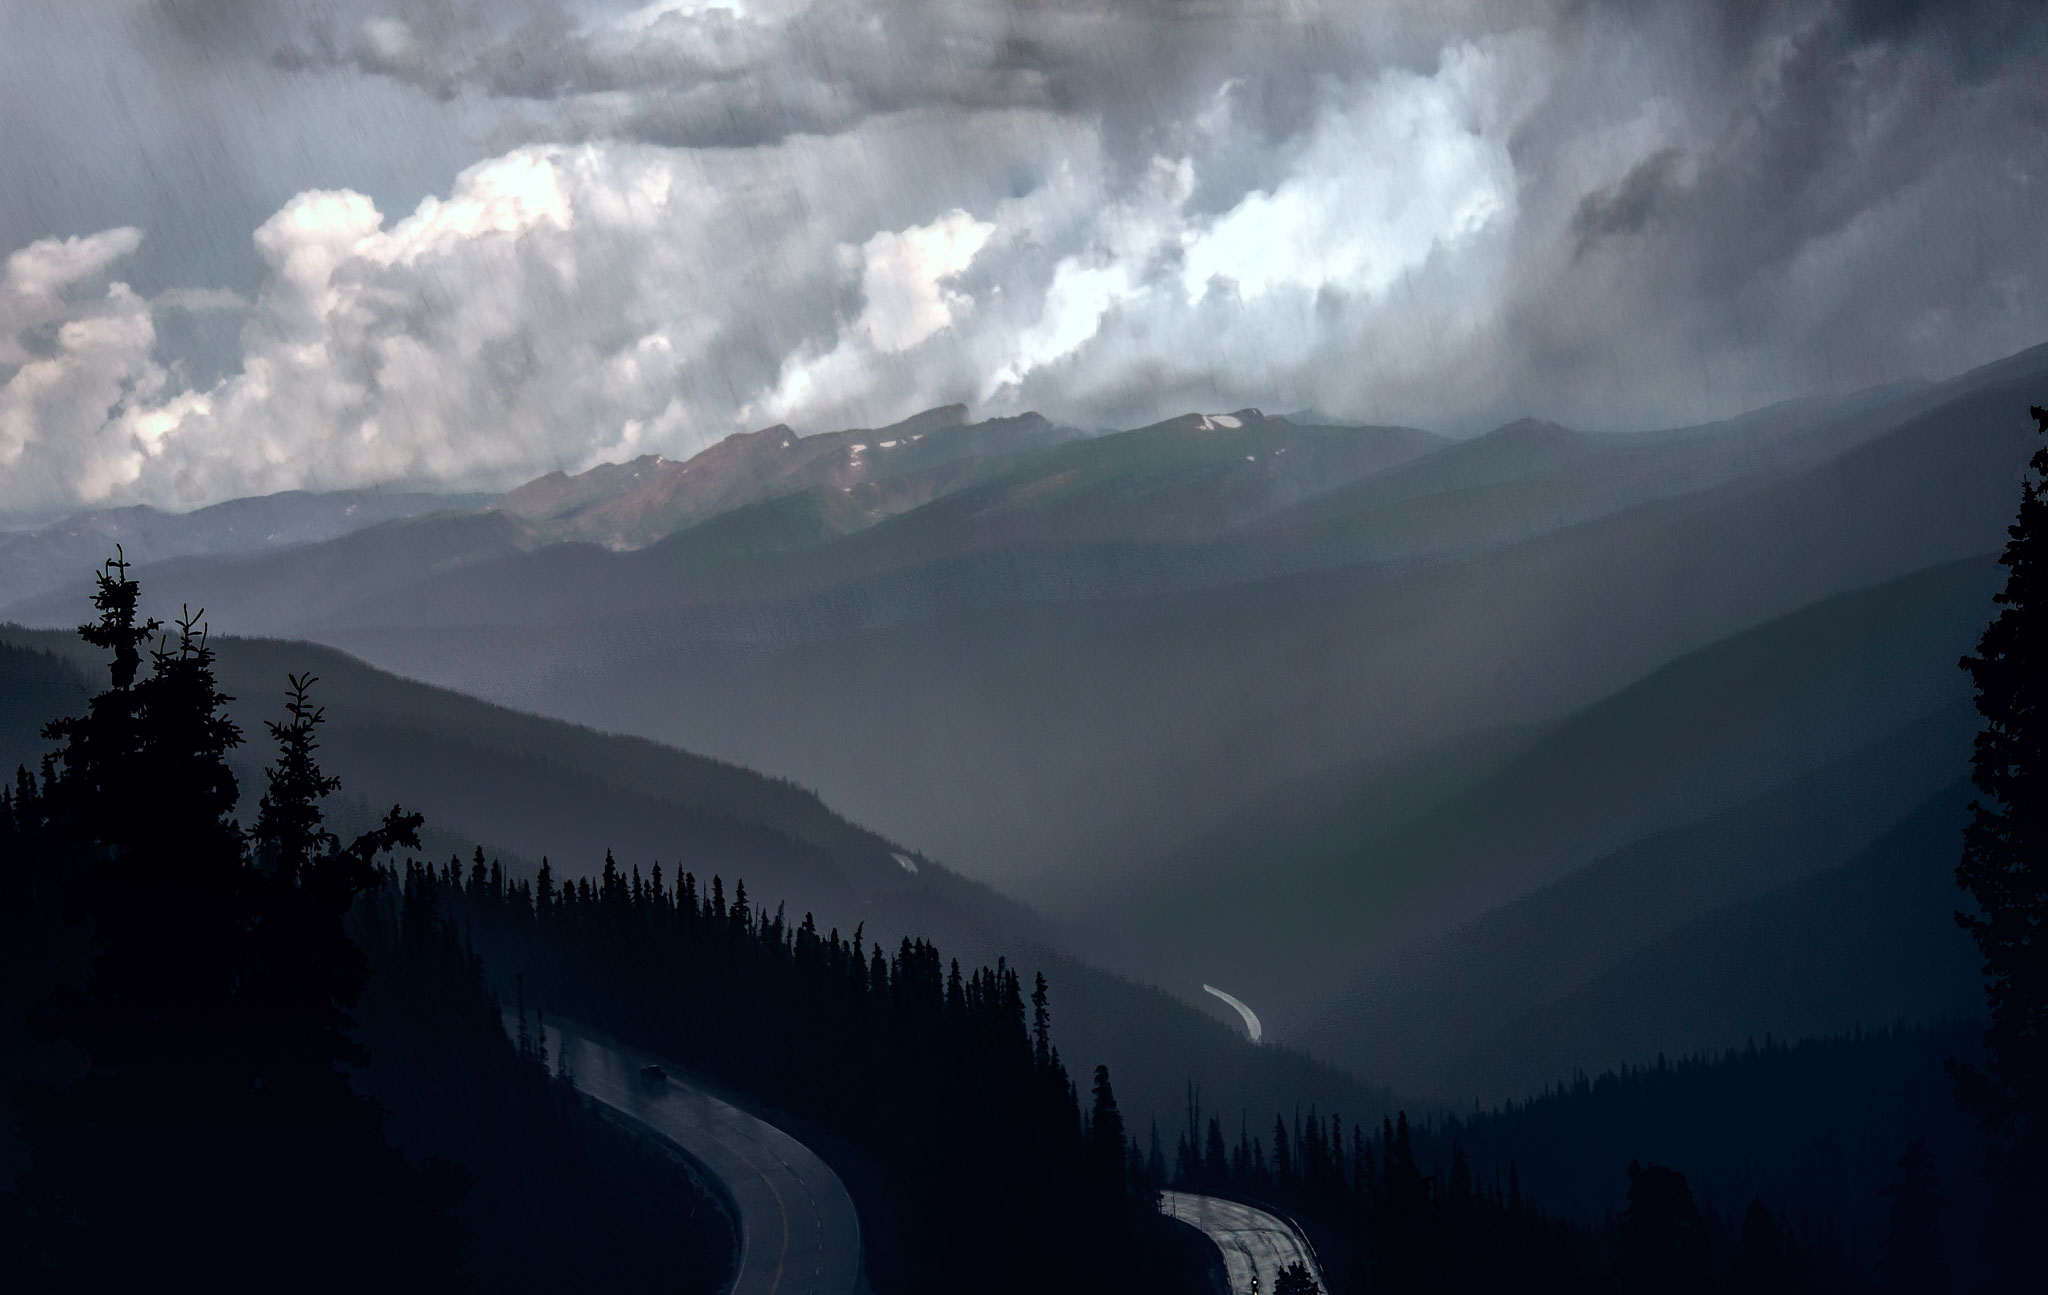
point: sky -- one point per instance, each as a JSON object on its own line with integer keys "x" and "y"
{"x": 257, "y": 245}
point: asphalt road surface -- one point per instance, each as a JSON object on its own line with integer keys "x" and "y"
{"x": 798, "y": 1231}
{"x": 1251, "y": 1018}
{"x": 1255, "y": 1244}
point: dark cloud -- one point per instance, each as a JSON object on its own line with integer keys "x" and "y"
{"x": 222, "y": 24}
{"x": 1626, "y": 207}
{"x": 1448, "y": 213}
{"x": 1864, "y": 133}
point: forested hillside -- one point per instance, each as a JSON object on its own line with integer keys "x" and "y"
{"x": 959, "y": 1126}
{"x": 1190, "y": 703}
{"x": 529, "y": 789}
{"x": 186, "y": 1012}
{"x": 285, "y": 963}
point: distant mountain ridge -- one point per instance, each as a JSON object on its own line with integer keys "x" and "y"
{"x": 1519, "y": 674}
{"x": 988, "y": 471}
{"x": 34, "y": 561}
{"x": 522, "y": 786}
{"x": 873, "y": 472}
{"x": 1044, "y": 637}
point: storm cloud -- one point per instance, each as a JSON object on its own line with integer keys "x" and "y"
{"x": 257, "y": 246}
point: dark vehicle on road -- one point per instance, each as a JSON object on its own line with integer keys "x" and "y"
{"x": 653, "y": 1076}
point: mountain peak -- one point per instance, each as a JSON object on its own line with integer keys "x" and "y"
{"x": 935, "y": 419}
{"x": 781, "y": 432}
{"x": 1533, "y": 429}
{"x": 558, "y": 492}
{"x": 1199, "y": 422}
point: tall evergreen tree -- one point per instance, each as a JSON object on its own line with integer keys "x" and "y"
{"x": 1216, "y": 1154}
{"x": 1762, "y": 1255}
{"x": 137, "y": 803}
{"x": 214, "y": 1130}
{"x": 1661, "y": 1242}
{"x": 1401, "y": 1221}
{"x": 1105, "y": 1135}
{"x": 1915, "y": 1255}
{"x": 306, "y": 972}
{"x": 2005, "y": 860}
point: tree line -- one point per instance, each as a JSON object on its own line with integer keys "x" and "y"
{"x": 1387, "y": 1219}
{"x": 976, "y": 1159}
{"x": 215, "y": 989}
{"x": 1401, "y": 1229}
{"x": 287, "y": 1068}
{"x": 203, "y": 1106}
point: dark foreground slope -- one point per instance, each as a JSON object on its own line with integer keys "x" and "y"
{"x": 1281, "y": 747}
{"x": 525, "y": 787}
{"x": 194, "y": 1096}
{"x": 556, "y": 1195}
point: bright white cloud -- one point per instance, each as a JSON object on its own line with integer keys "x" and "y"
{"x": 1381, "y": 184}
{"x": 44, "y": 269}
{"x": 1078, "y": 298}
{"x": 76, "y": 353}
{"x": 563, "y": 304}
{"x": 970, "y": 201}
{"x": 905, "y": 279}
{"x": 639, "y": 20}
{"x": 908, "y": 297}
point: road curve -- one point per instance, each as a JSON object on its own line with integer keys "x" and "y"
{"x": 1255, "y": 1244}
{"x": 798, "y": 1231}
{"x": 1251, "y": 1018}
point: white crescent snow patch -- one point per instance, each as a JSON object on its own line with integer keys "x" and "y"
{"x": 1251, "y": 1018}
{"x": 909, "y": 864}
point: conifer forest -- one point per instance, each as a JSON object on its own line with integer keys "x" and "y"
{"x": 917, "y": 647}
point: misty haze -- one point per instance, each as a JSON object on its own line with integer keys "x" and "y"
{"x": 882, "y": 647}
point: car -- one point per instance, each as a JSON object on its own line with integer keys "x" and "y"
{"x": 653, "y": 1076}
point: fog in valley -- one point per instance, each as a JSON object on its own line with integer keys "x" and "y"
{"x": 1410, "y": 560}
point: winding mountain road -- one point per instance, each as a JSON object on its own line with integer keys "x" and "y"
{"x": 798, "y": 1231}
{"x": 1256, "y": 1245}
{"x": 1252, "y": 1028}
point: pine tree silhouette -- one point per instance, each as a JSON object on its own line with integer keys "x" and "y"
{"x": 1915, "y": 1254}
{"x": 137, "y": 803}
{"x": 215, "y": 1129}
{"x": 1661, "y": 1244}
{"x": 1762, "y": 1256}
{"x": 1105, "y": 1136}
{"x": 2005, "y": 867}
{"x": 1401, "y": 1223}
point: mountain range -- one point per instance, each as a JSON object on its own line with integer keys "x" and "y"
{"x": 527, "y": 790}
{"x": 62, "y": 554}
{"x": 1464, "y": 761}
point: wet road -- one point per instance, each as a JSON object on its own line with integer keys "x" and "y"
{"x": 799, "y": 1234}
{"x": 1254, "y": 1242}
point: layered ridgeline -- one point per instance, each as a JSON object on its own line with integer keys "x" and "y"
{"x": 527, "y": 790}
{"x": 184, "y": 1005}
{"x": 645, "y": 951}
{"x": 1360, "y": 724}
{"x": 63, "y": 554}
{"x": 210, "y": 1104}
{"x": 1794, "y": 790}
